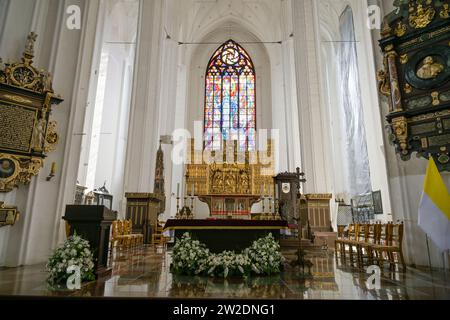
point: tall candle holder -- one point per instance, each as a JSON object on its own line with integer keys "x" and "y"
{"x": 270, "y": 208}
{"x": 178, "y": 208}
{"x": 277, "y": 210}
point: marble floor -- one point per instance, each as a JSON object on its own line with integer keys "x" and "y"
{"x": 144, "y": 273}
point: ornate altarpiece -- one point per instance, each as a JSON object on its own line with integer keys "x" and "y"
{"x": 416, "y": 45}
{"x": 26, "y": 132}
{"x": 230, "y": 189}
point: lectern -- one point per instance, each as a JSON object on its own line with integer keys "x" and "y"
{"x": 93, "y": 223}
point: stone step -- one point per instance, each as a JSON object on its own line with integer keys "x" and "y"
{"x": 294, "y": 243}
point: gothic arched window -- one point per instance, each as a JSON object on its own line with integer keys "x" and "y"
{"x": 230, "y": 99}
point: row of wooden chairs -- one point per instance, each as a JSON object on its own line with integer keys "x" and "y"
{"x": 372, "y": 243}
{"x": 123, "y": 237}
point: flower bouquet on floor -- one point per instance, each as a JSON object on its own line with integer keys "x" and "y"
{"x": 74, "y": 257}
{"x": 190, "y": 257}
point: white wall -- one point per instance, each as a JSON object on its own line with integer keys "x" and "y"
{"x": 106, "y": 124}
{"x": 58, "y": 50}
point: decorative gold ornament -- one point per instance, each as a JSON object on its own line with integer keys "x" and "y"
{"x": 52, "y": 137}
{"x": 445, "y": 12}
{"x": 404, "y": 58}
{"x": 386, "y": 31}
{"x": 16, "y": 169}
{"x": 383, "y": 83}
{"x": 422, "y": 16}
{"x": 435, "y": 96}
{"x": 9, "y": 215}
{"x": 18, "y": 99}
{"x": 429, "y": 69}
{"x": 400, "y": 29}
{"x": 408, "y": 88}
{"x": 400, "y": 130}
{"x": 389, "y": 48}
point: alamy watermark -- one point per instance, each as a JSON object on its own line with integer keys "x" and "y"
{"x": 183, "y": 139}
{"x": 73, "y": 20}
{"x": 374, "y": 280}
{"x": 74, "y": 280}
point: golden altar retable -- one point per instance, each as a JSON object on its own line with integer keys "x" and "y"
{"x": 228, "y": 186}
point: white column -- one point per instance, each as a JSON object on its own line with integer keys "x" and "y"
{"x": 314, "y": 133}
{"x": 143, "y": 139}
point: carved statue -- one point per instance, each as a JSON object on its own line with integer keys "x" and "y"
{"x": 230, "y": 182}
{"x": 39, "y": 135}
{"x": 430, "y": 69}
{"x": 31, "y": 39}
{"x": 216, "y": 179}
{"x": 244, "y": 182}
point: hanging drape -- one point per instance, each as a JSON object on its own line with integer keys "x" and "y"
{"x": 356, "y": 160}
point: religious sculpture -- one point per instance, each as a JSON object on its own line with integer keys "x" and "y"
{"x": 244, "y": 182}
{"x": 39, "y": 135}
{"x": 230, "y": 181}
{"x": 31, "y": 39}
{"x": 430, "y": 69}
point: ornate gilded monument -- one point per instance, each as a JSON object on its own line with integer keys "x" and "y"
{"x": 26, "y": 132}
{"x": 415, "y": 79}
{"x": 231, "y": 188}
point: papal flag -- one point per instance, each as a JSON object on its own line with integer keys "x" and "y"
{"x": 434, "y": 209}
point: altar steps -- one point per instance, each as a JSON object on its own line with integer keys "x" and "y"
{"x": 294, "y": 243}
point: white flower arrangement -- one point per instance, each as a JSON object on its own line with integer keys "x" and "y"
{"x": 190, "y": 257}
{"x": 74, "y": 252}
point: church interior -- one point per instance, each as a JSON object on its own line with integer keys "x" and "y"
{"x": 225, "y": 149}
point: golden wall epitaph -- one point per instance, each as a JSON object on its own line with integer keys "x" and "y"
{"x": 28, "y": 134}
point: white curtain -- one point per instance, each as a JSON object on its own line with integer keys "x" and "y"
{"x": 356, "y": 160}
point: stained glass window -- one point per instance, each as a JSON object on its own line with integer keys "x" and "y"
{"x": 230, "y": 99}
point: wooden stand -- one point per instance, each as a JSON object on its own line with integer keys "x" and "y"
{"x": 315, "y": 215}
{"x": 143, "y": 210}
{"x": 93, "y": 223}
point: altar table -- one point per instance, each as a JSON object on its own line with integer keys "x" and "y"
{"x": 220, "y": 235}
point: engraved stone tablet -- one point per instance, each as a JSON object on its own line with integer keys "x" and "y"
{"x": 16, "y": 127}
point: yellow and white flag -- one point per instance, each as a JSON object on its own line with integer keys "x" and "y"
{"x": 434, "y": 209}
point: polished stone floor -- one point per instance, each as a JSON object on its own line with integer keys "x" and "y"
{"x": 145, "y": 273}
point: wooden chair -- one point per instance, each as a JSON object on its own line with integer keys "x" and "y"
{"x": 122, "y": 235}
{"x": 392, "y": 246}
{"x": 353, "y": 234}
{"x": 371, "y": 238}
{"x": 134, "y": 238}
{"x": 157, "y": 236}
{"x": 118, "y": 239}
